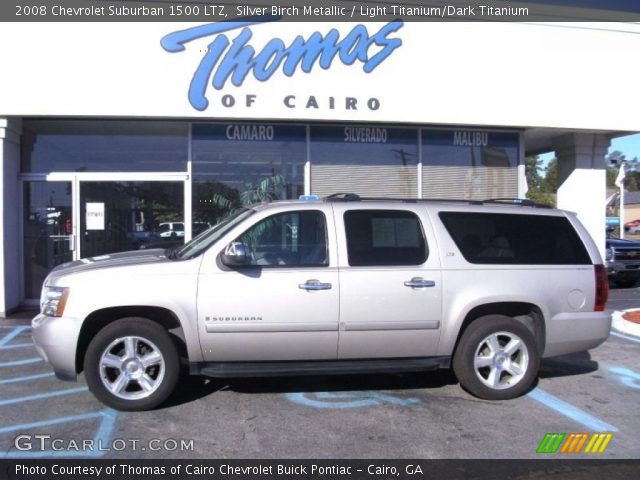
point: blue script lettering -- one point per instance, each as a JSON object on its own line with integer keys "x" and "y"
{"x": 233, "y": 60}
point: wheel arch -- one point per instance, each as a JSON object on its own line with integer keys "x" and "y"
{"x": 528, "y": 314}
{"x": 99, "y": 319}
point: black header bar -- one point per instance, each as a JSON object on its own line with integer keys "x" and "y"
{"x": 291, "y": 469}
{"x": 319, "y": 10}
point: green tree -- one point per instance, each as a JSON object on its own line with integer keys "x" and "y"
{"x": 533, "y": 166}
{"x": 549, "y": 183}
{"x": 612, "y": 173}
{"x": 631, "y": 181}
{"x": 615, "y": 158}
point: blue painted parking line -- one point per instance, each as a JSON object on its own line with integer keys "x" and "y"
{"x": 16, "y": 345}
{"x": 46, "y": 423}
{"x": 107, "y": 417}
{"x": 574, "y": 413}
{"x": 341, "y": 400}
{"x": 40, "y": 396}
{"x": 101, "y": 439}
{"x": 17, "y": 363}
{"x": 13, "y": 334}
{"x": 625, "y": 337}
{"x": 26, "y": 378}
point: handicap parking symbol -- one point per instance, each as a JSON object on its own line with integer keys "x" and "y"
{"x": 341, "y": 400}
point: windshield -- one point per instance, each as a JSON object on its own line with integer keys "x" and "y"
{"x": 207, "y": 238}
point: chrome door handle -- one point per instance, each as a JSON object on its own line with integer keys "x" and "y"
{"x": 314, "y": 285}
{"x": 417, "y": 282}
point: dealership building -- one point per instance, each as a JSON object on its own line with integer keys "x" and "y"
{"x": 118, "y": 136}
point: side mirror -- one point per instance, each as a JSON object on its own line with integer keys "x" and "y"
{"x": 234, "y": 255}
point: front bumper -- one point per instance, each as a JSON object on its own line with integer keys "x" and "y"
{"x": 576, "y": 332}
{"x": 56, "y": 340}
{"x": 623, "y": 269}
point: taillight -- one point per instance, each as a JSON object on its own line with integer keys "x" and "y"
{"x": 602, "y": 288}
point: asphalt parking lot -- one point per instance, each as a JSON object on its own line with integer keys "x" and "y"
{"x": 374, "y": 416}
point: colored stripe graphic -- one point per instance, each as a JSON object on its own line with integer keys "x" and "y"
{"x": 573, "y": 443}
{"x": 550, "y": 443}
{"x": 598, "y": 443}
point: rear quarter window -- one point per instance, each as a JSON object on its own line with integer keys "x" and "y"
{"x": 514, "y": 239}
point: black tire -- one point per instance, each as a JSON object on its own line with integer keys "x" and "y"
{"x": 506, "y": 376}
{"x": 140, "y": 382}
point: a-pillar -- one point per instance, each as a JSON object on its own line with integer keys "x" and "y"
{"x": 10, "y": 130}
{"x": 582, "y": 181}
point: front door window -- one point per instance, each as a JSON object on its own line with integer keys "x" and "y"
{"x": 292, "y": 239}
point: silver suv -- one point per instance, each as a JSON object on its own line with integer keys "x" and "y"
{"x": 340, "y": 285}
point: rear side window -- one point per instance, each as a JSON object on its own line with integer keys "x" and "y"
{"x": 384, "y": 237}
{"x": 506, "y": 239}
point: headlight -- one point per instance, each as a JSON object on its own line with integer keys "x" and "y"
{"x": 608, "y": 254}
{"x": 53, "y": 301}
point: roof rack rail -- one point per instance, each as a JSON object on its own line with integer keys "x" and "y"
{"x": 524, "y": 202}
{"x": 352, "y": 197}
{"x": 346, "y": 197}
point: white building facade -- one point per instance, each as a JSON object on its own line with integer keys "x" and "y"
{"x": 117, "y": 136}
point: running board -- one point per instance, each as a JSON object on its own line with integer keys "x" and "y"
{"x": 318, "y": 367}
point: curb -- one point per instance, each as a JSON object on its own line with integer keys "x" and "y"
{"x": 621, "y": 325}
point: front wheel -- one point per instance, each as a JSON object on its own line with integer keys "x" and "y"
{"x": 496, "y": 358}
{"x": 132, "y": 364}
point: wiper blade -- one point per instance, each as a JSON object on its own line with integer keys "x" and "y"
{"x": 172, "y": 252}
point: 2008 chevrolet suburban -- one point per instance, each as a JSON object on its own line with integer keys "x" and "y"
{"x": 341, "y": 284}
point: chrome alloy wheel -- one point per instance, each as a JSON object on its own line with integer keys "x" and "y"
{"x": 132, "y": 368}
{"x": 501, "y": 360}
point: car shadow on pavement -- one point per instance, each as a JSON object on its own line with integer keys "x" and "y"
{"x": 567, "y": 365}
{"x": 192, "y": 388}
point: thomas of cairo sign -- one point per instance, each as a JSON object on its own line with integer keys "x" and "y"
{"x": 231, "y": 57}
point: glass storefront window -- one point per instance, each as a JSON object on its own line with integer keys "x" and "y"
{"x": 235, "y": 165}
{"x": 469, "y": 164}
{"x": 104, "y": 146}
{"x": 135, "y": 215}
{"x": 47, "y": 231}
{"x": 366, "y": 160}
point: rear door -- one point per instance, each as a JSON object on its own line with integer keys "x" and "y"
{"x": 390, "y": 282}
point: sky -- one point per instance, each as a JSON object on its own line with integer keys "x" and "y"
{"x": 629, "y": 145}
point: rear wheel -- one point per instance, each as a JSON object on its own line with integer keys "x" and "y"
{"x": 132, "y": 364}
{"x": 496, "y": 358}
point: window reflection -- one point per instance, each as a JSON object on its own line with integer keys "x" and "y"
{"x": 236, "y": 165}
{"x": 137, "y": 215}
{"x": 366, "y": 160}
{"x": 104, "y": 146}
{"x": 469, "y": 164}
